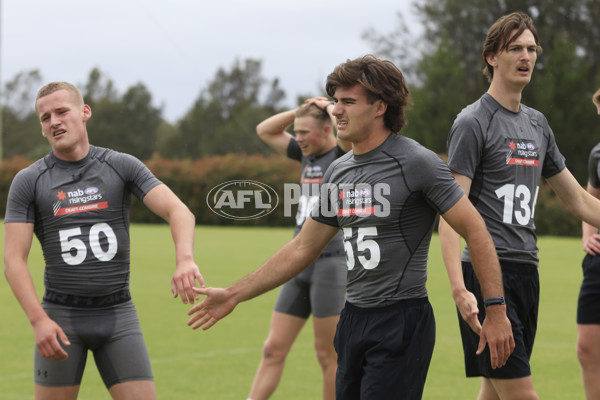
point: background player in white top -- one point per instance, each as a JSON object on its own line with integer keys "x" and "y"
{"x": 498, "y": 150}
{"x": 320, "y": 289}
{"x": 76, "y": 200}
{"x": 588, "y": 307}
{"x": 386, "y": 237}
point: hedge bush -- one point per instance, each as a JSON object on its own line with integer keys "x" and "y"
{"x": 191, "y": 180}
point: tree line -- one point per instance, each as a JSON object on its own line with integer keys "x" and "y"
{"x": 221, "y": 120}
{"x": 443, "y": 67}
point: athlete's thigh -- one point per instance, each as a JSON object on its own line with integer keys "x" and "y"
{"x": 399, "y": 362}
{"x": 521, "y": 388}
{"x": 284, "y": 330}
{"x": 134, "y": 390}
{"x": 588, "y": 304}
{"x": 324, "y": 329}
{"x": 328, "y": 286}
{"x": 123, "y": 356}
{"x": 294, "y": 296}
{"x": 55, "y": 393}
{"x": 70, "y": 371}
{"x": 588, "y": 338}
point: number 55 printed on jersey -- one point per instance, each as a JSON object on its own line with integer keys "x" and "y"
{"x": 74, "y": 249}
{"x": 364, "y": 241}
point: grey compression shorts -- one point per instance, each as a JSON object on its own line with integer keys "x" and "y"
{"x": 114, "y": 336}
{"x": 320, "y": 289}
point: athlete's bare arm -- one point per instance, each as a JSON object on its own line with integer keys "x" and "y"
{"x": 273, "y": 132}
{"x": 164, "y": 203}
{"x": 286, "y": 263}
{"x": 17, "y": 244}
{"x": 496, "y": 329}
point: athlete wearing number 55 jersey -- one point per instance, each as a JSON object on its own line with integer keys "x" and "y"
{"x": 384, "y": 196}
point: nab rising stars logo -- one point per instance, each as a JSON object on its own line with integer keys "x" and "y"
{"x": 312, "y": 174}
{"x": 522, "y": 153}
{"x": 78, "y": 196}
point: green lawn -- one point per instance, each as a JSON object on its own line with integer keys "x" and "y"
{"x": 220, "y": 363}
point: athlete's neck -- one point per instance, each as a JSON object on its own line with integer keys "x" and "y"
{"x": 508, "y": 97}
{"x": 371, "y": 142}
{"x": 76, "y": 153}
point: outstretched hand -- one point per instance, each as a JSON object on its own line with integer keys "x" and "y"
{"x": 184, "y": 279}
{"x": 217, "y": 304}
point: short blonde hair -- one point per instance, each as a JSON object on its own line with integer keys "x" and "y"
{"x": 54, "y": 86}
{"x": 596, "y": 97}
{"x": 311, "y": 110}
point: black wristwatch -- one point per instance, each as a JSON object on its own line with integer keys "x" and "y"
{"x": 492, "y": 301}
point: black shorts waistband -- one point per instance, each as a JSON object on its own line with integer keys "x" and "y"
{"x": 393, "y": 306}
{"x": 335, "y": 253}
{"x": 514, "y": 268}
{"x": 50, "y": 296}
{"x": 518, "y": 268}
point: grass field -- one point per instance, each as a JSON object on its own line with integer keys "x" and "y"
{"x": 220, "y": 363}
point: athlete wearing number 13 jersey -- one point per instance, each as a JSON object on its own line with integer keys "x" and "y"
{"x": 505, "y": 154}
{"x": 80, "y": 212}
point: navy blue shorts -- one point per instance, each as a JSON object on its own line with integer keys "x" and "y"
{"x": 384, "y": 353}
{"x": 588, "y": 305}
{"x": 522, "y": 294}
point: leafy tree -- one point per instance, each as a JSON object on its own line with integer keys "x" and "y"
{"x": 127, "y": 123}
{"x": 223, "y": 118}
{"x": 21, "y": 132}
{"x": 446, "y": 75}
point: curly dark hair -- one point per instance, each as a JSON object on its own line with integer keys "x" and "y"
{"x": 381, "y": 79}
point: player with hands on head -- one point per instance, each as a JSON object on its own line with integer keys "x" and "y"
{"x": 384, "y": 196}
{"x": 76, "y": 201}
{"x": 498, "y": 151}
{"x": 319, "y": 290}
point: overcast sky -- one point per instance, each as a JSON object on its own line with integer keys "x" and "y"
{"x": 175, "y": 47}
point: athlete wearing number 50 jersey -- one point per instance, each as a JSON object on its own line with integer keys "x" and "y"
{"x": 76, "y": 200}
{"x": 80, "y": 212}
